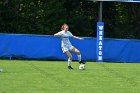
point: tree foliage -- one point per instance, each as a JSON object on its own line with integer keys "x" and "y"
{"x": 122, "y": 20}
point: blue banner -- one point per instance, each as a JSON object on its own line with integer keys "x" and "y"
{"x": 49, "y": 47}
{"x": 43, "y": 47}
{"x": 100, "y": 41}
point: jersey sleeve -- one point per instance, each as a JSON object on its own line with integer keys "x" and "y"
{"x": 60, "y": 33}
{"x": 70, "y": 34}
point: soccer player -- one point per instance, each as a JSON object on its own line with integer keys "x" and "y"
{"x": 66, "y": 44}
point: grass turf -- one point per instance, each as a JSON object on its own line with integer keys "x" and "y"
{"x": 54, "y": 77}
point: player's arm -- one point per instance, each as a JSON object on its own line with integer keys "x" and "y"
{"x": 77, "y": 37}
{"x": 58, "y": 34}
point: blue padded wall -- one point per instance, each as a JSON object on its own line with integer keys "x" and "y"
{"x": 49, "y": 47}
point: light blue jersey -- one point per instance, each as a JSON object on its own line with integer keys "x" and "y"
{"x": 65, "y": 42}
{"x": 65, "y": 38}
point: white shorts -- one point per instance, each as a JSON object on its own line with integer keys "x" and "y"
{"x": 67, "y": 48}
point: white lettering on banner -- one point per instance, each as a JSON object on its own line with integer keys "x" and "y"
{"x": 99, "y": 57}
{"x": 100, "y": 47}
{"x": 100, "y": 37}
{"x": 100, "y": 53}
{"x": 101, "y": 27}
{"x": 100, "y": 43}
{"x": 100, "y": 32}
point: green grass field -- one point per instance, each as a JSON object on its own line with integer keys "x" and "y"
{"x": 54, "y": 77}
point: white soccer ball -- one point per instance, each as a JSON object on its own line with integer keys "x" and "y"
{"x": 82, "y": 67}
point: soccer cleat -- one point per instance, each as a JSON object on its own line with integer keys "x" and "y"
{"x": 82, "y": 62}
{"x": 69, "y": 67}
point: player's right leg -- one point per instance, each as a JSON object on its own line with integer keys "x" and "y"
{"x": 66, "y": 51}
{"x": 69, "y": 59}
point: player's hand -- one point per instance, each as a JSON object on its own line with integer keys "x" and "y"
{"x": 81, "y": 38}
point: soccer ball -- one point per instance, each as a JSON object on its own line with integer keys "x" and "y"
{"x": 82, "y": 67}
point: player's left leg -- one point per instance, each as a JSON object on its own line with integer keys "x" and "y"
{"x": 78, "y": 55}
